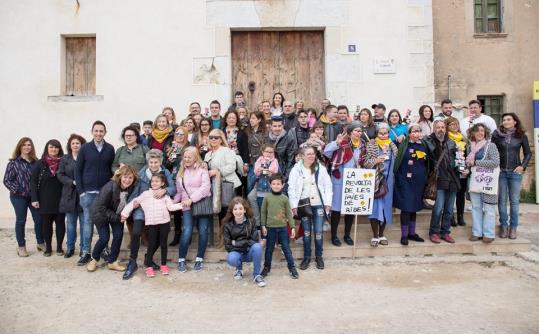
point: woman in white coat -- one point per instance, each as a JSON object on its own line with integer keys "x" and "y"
{"x": 310, "y": 193}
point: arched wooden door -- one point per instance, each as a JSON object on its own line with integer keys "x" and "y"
{"x": 290, "y": 62}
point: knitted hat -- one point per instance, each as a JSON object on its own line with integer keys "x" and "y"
{"x": 353, "y": 125}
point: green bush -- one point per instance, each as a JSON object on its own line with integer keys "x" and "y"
{"x": 528, "y": 196}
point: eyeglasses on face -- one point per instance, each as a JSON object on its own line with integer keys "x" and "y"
{"x": 214, "y": 137}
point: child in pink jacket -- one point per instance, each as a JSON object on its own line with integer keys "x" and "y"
{"x": 265, "y": 166}
{"x": 157, "y": 218}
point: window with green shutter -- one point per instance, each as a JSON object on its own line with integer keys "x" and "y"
{"x": 487, "y": 16}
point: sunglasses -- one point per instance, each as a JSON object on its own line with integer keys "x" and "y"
{"x": 214, "y": 137}
{"x": 179, "y": 134}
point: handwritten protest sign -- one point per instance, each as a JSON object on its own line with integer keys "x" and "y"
{"x": 357, "y": 191}
{"x": 484, "y": 180}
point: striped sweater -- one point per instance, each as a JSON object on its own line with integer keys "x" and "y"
{"x": 17, "y": 176}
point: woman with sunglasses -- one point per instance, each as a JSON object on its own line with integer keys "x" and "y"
{"x": 222, "y": 160}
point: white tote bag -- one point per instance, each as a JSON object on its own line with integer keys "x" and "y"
{"x": 484, "y": 180}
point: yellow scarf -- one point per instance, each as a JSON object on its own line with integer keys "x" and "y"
{"x": 355, "y": 143}
{"x": 458, "y": 138}
{"x": 160, "y": 135}
{"x": 383, "y": 142}
{"x": 324, "y": 119}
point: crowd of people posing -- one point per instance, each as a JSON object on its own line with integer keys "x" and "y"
{"x": 269, "y": 175}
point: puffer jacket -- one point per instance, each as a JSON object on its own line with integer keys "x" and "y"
{"x": 295, "y": 185}
{"x": 244, "y": 235}
{"x": 156, "y": 210}
{"x": 510, "y": 153}
{"x": 143, "y": 184}
{"x": 194, "y": 185}
{"x": 103, "y": 209}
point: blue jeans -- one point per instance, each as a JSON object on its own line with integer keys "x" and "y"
{"x": 509, "y": 186}
{"x": 315, "y": 223}
{"x": 251, "y": 178}
{"x": 483, "y": 216}
{"x": 87, "y": 228}
{"x": 104, "y": 236}
{"x": 444, "y": 199}
{"x": 71, "y": 228}
{"x": 202, "y": 223}
{"x": 278, "y": 234}
{"x": 254, "y": 254}
{"x": 21, "y": 205}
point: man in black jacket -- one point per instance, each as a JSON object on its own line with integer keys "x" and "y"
{"x": 300, "y": 133}
{"x": 285, "y": 147}
{"x": 289, "y": 116}
{"x": 441, "y": 153}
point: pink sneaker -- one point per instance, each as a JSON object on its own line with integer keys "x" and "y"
{"x": 149, "y": 272}
{"x": 164, "y": 269}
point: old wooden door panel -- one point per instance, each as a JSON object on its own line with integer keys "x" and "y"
{"x": 80, "y": 66}
{"x": 291, "y": 62}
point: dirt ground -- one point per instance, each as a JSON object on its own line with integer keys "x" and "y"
{"x": 416, "y": 295}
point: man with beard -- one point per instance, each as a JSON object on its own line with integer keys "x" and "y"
{"x": 285, "y": 146}
{"x": 441, "y": 152}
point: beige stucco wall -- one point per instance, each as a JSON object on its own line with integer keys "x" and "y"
{"x": 154, "y": 54}
{"x": 506, "y": 64}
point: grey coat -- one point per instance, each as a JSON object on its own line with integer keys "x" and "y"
{"x": 69, "y": 202}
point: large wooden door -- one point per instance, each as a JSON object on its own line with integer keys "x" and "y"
{"x": 290, "y": 62}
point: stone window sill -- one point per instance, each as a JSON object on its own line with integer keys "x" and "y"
{"x": 491, "y": 35}
{"x": 70, "y": 98}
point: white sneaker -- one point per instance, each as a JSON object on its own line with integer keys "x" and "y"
{"x": 238, "y": 275}
{"x": 259, "y": 280}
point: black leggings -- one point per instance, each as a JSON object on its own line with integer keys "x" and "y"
{"x": 48, "y": 220}
{"x": 335, "y": 219}
{"x": 461, "y": 196}
{"x": 407, "y": 217}
{"x": 138, "y": 226}
{"x": 158, "y": 235}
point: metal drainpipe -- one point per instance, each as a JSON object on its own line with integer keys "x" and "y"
{"x": 449, "y": 86}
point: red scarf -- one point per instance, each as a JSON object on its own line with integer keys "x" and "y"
{"x": 53, "y": 163}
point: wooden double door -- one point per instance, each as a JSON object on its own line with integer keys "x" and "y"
{"x": 290, "y": 62}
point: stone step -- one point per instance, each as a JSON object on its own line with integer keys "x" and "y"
{"x": 363, "y": 248}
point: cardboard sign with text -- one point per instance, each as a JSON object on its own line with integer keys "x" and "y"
{"x": 357, "y": 191}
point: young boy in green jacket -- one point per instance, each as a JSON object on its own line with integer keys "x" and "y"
{"x": 276, "y": 214}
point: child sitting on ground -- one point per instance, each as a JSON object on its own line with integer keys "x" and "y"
{"x": 276, "y": 214}
{"x": 157, "y": 218}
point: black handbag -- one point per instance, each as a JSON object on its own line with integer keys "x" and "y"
{"x": 304, "y": 208}
{"x": 204, "y": 207}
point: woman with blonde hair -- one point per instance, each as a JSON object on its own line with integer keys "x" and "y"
{"x": 193, "y": 186}
{"x": 162, "y": 133}
{"x": 222, "y": 160}
{"x": 106, "y": 211}
{"x": 171, "y": 116}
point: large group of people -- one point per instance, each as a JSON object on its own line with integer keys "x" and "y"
{"x": 269, "y": 175}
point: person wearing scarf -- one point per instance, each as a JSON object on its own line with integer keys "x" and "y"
{"x": 162, "y": 133}
{"x": 381, "y": 155}
{"x": 46, "y": 192}
{"x": 453, "y": 132}
{"x": 511, "y": 141}
{"x": 410, "y": 179}
{"x": 346, "y": 151}
{"x": 482, "y": 153}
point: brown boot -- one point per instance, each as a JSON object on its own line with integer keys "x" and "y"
{"x": 488, "y": 240}
{"x": 513, "y": 233}
{"x": 21, "y": 251}
{"x": 504, "y": 232}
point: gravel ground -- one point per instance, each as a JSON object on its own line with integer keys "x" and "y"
{"x": 466, "y": 294}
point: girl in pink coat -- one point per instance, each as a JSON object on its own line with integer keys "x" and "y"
{"x": 157, "y": 218}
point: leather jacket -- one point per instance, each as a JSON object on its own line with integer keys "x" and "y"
{"x": 510, "y": 152}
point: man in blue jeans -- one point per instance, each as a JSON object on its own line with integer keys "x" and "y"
{"x": 441, "y": 152}
{"x": 92, "y": 171}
